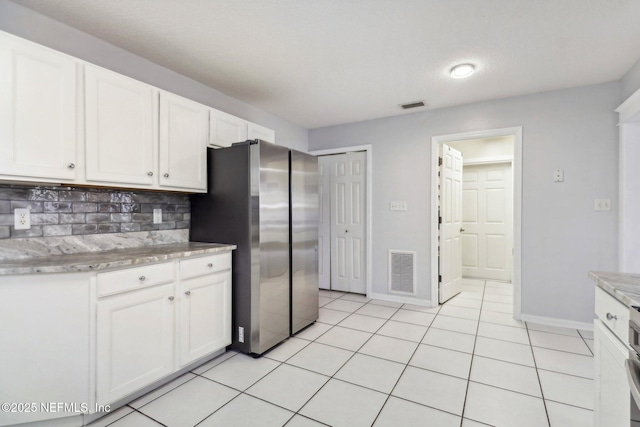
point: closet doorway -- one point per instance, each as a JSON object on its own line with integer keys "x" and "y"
{"x": 343, "y": 237}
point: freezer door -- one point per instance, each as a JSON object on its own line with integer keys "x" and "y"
{"x": 270, "y": 295}
{"x": 304, "y": 240}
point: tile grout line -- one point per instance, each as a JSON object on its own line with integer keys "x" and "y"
{"x": 473, "y": 351}
{"x": 533, "y": 355}
{"x": 347, "y": 361}
{"x": 404, "y": 370}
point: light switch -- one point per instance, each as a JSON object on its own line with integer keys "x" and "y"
{"x": 603, "y": 204}
{"x": 398, "y": 206}
{"x": 558, "y": 175}
{"x": 157, "y": 216}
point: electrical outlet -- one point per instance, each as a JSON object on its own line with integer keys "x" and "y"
{"x": 157, "y": 216}
{"x": 603, "y": 204}
{"x": 398, "y": 206}
{"x": 22, "y": 219}
{"x": 240, "y": 334}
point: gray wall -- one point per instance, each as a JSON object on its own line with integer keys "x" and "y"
{"x": 562, "y": 236}
{"x": 630, "y": 82}
{"x": 38, "y": 28}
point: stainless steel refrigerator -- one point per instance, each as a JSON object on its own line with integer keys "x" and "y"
{"x": 264, "y": 199}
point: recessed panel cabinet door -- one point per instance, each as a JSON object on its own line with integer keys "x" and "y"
{"x": 226, "y": 129}
{"x": 37, "y": 111}
{"x": 184, "y": 126}
{"x": 205, "y": 320}
{"x": 255, "y": 131}
{"x": 119, "y": 128}
{"x": 135, "y": 341}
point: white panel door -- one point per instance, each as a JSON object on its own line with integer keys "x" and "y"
{"x": 37, "y": 111}
{"x": 205, "y": 319}
{"x": 120, "y": 140}
{"x": 487, "y": 221}
{"x": 450, "y": 259}
{"x": 134, "y": 341}
{"x": 324, "y": 229}
{"x": 184, "y": 127}
{"x": 348, "y": 223}
{"x": 225, "y": 129}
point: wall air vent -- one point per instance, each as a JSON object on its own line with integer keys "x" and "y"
{"x": 402, "y": 272}
{"x": 413, "y": 105}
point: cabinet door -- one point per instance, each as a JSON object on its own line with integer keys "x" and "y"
{"x": 255, "y": 131}
{"x": 226, "y": 129}
{"x": 119, "y": 128}
{"x": 37, "y": 111}
{"x": 135, "y": 344}
{"x": 612, "y": 390}
{"x": 205, "y": 316}
{"x": 184, "y": 125}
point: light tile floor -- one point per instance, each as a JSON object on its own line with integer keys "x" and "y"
{"x": 367, "y": 362}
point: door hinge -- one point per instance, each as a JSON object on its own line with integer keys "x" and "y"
{"x": 439, "y": 278}
{"x": 439, "y": 161}
{"x": 439, "y": 220}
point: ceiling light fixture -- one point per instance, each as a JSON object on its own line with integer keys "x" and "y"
{"x": 461, "y": 71}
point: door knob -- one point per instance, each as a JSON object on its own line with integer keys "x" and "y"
{"x": 461, "y": 230}
{"x": 346, "y": 231}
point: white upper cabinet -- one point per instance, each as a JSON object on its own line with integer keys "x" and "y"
{"x": 37, "y": 111}
{"x": 120, "y": 143}
{"x": 255, "y": 131}
{"x": 184, "y": 127}
{"x": 225, "y": 129}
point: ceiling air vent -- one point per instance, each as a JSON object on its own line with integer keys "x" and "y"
{"x": 402, "y": 272}
{"x": 413, "y": 105}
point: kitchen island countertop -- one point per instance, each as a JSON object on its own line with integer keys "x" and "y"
{"x": 624, "y": 287}
{"x": 101, "y": 260}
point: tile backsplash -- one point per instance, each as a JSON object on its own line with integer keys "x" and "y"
{"x": 66, "y": 211}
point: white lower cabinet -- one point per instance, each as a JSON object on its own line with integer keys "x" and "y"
{"x": 135, "y": 341}
{"x": 612, "y": 405}
{"x": 158, "y": 323}
{"x": 205, "y": 315}
{"x": 44, "y": 347}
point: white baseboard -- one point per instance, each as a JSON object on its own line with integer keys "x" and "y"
{"x": 401, "y": 299}
{"x": 552, "y": 321}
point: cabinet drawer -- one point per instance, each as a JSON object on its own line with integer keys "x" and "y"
{"x": 204, "y": 265}
{"x": 129, "y": 279}
{"x": 618, "y": 314}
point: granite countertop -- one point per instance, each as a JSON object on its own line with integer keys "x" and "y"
{"x": 624, "y": 287}
{"x": 100, "y": 260}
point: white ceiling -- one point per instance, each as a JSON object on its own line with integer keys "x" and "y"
{"x": 323, "y": 62}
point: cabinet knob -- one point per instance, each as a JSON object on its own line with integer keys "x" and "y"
{"x": 150, "y": 173}
{"x": 611, "y": 316}
{"x": 187, "y": 293}
{"x": 210, "y": 265}
{"x": 142, "y": 278}
{"x": 71, "y": 165}
{"x": 166, "y": 175}
{"x": 171, "y": 298}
